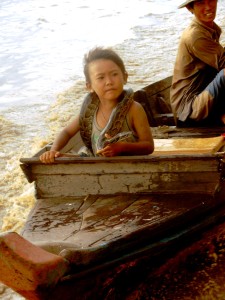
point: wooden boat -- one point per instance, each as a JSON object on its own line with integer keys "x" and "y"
{"x": 97, "y": 221}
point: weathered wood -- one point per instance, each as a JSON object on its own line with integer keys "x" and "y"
{"x": 109, "y": 217}
{"x": 93, "y": 221}
{"x": 176, "y": 166}
{"x": 26, "y": 268}
{"x": 119, "y": 281}
{"x": 157, "y": 103}
{"x": 70, "y": 177}
{"x": 166, "y": 132}
{"x": 98, "y": 233}
{"x": 111, "y": 242}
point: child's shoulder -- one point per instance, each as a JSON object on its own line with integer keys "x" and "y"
{"x": 136, "y": 105}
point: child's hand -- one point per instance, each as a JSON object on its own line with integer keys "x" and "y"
{"x": 111, "y": 150}
{"x": 48, "y": 157}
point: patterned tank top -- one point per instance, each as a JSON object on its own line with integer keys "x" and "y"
{"x": 96, "y": 131}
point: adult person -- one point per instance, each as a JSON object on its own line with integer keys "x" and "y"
{"x": 198, "y": 85}
{"x": 106, "y": 75}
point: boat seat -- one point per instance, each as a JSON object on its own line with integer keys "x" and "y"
{"x": 154, "y": 100}
{"x": 188, "y": 145}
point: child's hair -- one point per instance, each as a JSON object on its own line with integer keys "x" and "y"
{"x": 101, "y": 53}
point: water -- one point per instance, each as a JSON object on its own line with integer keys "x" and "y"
{"x": 43, "y": 43}
{"x": 41, "y": 79}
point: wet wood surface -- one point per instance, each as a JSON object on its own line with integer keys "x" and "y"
{"x": 109, "y": 240}
{"x": 114, "y": 218}
{"x": 111, "y": 221}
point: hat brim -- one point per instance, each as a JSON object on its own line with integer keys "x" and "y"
{"x": 185, "y": 4}
{"x": 182, "y": 5}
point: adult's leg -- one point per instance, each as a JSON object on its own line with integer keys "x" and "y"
{"x": 211, "y": 102}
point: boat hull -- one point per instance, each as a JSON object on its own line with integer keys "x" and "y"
{"x": 108, "y": 224}
{"x": 100, "y": 243}
{"x": 100, "y": 176}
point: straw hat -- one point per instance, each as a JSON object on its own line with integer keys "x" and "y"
{"x": 186, "y": 3}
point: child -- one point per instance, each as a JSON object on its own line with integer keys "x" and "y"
{"x": 109, "y": 105}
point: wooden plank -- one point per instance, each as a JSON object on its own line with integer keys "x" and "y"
{"x": 158, "y": 106}
{"x": 167, "y": 132}
{"x": 166, "y": 182}
{"x": 93, "y": 271}
{"x": 26, "y": 268}
{"x": 80, "y": 177}
{"x": 188, "y": 145}
{"x": 93, "y": 221}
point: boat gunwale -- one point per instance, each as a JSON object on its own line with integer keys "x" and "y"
{"x": 127, "y": 159}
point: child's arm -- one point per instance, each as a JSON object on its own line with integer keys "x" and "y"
{"x": 145, "y": 143}
{"x": 61, "y": 140}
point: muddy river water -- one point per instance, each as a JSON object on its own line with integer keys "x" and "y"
{"x": 41, "y": 80}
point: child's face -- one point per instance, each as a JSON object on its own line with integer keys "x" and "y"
{"x": 106, "y": 79}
